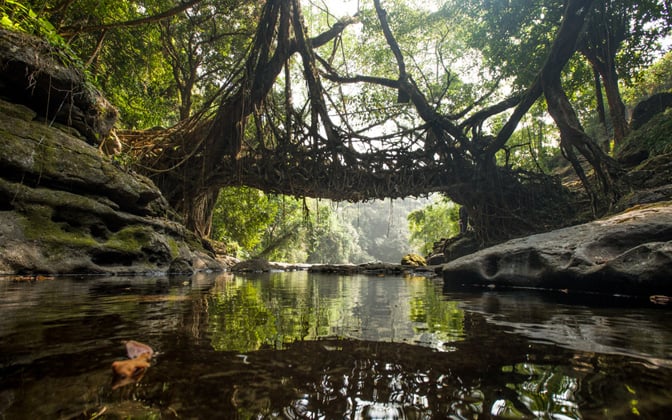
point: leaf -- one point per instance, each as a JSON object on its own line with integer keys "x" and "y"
{"x": 6, "y": 22}
{"x": 135, "y": 349}
{"x": 132, "y": 367}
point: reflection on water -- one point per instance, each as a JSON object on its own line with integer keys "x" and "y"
{"x": 247, "y": 314}
{"x": 304, "y": 346}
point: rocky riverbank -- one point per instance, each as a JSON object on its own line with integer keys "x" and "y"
{"x": 65, "y": 208}
{"x": 629, "y": 253}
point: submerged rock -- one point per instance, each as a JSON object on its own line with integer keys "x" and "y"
{"x": 64, "y": 208}
{"x": 628, "y": 253}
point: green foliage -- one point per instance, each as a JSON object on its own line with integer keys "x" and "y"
{"x": 206, "y": 47}
{"x": 284, "y": 238}
{"x": 241, "y": 215}
{"x": 155, "y": 73}
{"x": 514, "y": 36}
{"x": 330, "y": 240}
{"x": 132, "y": 70}
{"x": 637, "y": 27}
{"x": 283, "y": 228}
{"x": 382, "y": 226}
{"x": 533, "y": 145}
{"x": 20, "y": 17}
{"x": 437, "y": 220}
{"x": 654, "y": 79}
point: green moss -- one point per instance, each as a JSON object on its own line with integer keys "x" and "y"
{"x": 131, "y": 239}
{"x": 174, "y": 248}
{"x": 655, "y": 136}
{"x": 38, "y": 226}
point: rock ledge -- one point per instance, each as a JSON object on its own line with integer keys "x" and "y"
{"x": 66, "y": 209}
{"x": 629, "y": 253}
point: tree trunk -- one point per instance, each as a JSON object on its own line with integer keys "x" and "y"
{"x": 601, "y": 113}
{"x": 605, "y": 33}
{"x": 615, "y": 102}
{"x": 607, "y": 72}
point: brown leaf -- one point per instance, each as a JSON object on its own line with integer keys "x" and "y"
{"x": 132, "y": 367}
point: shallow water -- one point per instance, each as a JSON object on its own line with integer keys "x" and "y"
{"x": 299, "y": 345}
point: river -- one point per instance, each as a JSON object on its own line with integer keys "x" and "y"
{"x": 299, "y": 345}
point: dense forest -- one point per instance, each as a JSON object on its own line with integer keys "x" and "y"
{"x": 266, "y": 124}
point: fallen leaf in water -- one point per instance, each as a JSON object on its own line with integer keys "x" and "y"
{"x": 136, "y": 349}
{"x": 131, "y": 367}
{"x": 132, "y": 370}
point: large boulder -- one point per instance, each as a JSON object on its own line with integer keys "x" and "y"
{"x": 65, "y": 208}
{"x": 629, "y": 253}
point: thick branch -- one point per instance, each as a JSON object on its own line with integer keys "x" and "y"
{"x": 394, "y": 46}
{"x": 409, "y": 88}
{"x": 69, "y": 31}
{"x": 332, "y": 32}
{"x": 529, "y": 98}
{"x": 562, "y": 50}
{"x": 359, "y": 78}
{"x": 479, "y": 117}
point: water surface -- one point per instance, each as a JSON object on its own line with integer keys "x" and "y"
{"x": 299, "y": 345}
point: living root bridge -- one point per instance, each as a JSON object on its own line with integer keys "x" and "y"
{"x": 500, "y": 195}
{"x": 305, "y": 177}
{"x": 498, "y": 198}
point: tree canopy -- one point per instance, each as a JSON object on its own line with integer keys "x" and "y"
{"x": 403, "y": 98}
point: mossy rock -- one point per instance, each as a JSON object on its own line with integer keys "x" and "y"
{"x": 65, "y": 209}
{"x": 653, "y": 139}
{"x": 413, "y": 260}
{"x": 42, "y": 77}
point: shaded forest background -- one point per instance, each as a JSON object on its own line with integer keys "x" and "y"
{"x": 493, "y": 96}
